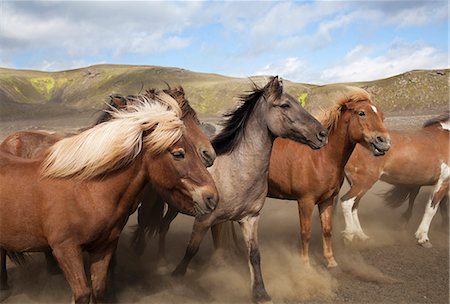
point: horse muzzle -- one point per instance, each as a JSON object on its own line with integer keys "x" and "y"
{"x": 379, "y": 145}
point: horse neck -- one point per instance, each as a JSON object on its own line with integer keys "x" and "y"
{"x": 125, "y": 185}
{"x": 340, "y": 146}
{"x": 252, "y": 154}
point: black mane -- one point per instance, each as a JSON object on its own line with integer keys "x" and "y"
{"x": 234, "y": 124}
{"x": 438, "y": 119}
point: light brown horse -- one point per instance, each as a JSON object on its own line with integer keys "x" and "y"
{"x": 31, "y": 144}
{"x": 417, "y": 158}
{"x": 79, "y": 196}
{"x": 315, "y": 177}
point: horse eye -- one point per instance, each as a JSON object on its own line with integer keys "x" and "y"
{"x": 284, "y": 106}
{"x": 179, "y": 154}
{"x": 362, "y": 114}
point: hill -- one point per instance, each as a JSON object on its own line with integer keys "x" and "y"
{"x": 26, "y": 93}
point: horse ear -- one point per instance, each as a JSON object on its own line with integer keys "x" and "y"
{"x": 343, "y": 108}
{"x": 275, "y": 86}
{"x": 180, "y": 89}
{"x": 117, "y": 101}
{"x": 150, "y": 93}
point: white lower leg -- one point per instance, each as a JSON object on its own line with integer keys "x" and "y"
{"x": 422, "y": 231}
{"x": 349, "y": 230}
{"x": 358, "y": 229}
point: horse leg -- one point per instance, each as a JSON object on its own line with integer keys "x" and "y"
{"x": 249, "y": 227}
{"x": 100, "y": 262}
{"x": 359, "y": 233}
{"x": 325, "y": 212}
{"x": 201, "y": 226}
{"x": 4, "y": 272}
{"x": 70, "y": 260}
{"x": 430, "y": 210}
{"x": 170, "y": 215}
{"x": 444, "y": 213}
{"x": 412, "y": 197}
{"x": 52, "y": 265}
{"x": 305, "y": 210}
{"x": 349, "y": 203}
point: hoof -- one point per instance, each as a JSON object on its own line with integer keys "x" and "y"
{"x": 262, "y": 298}
{"x": 426, "y": 244}
{"x": 162, "y": 270}
{"x": 179, "y": 272}
{"x": 332, "y": 265}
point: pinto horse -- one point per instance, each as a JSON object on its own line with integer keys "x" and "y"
{"x": 417, "y": 158}
{"x": 241, "y": 178}
{"x": 78, "y": 197}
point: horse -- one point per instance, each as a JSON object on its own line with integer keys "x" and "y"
{"x": 417, "y": 158}
{"x": 30, "y": 144}
{"x": 315, "y": 177}
{"x": 240, "y": 171}
{"x": 79, "y": 195}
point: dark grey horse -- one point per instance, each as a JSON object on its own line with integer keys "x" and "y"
{"x": 240, "y": 171}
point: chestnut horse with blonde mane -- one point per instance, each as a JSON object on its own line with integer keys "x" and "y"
{"x": 315, "y": 177}
{"x": 79, "y": 195}
{"x": 417, "y": 158}
{"x": 31, "y": 144}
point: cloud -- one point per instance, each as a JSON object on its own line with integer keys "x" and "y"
{"x": 80, "y": 29}
{"x": 291, "y": 68}
{"x": 361, "y": 64}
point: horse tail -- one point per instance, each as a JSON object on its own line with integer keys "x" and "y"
{"x": 397, "y": 195}
{"x": 227, "y": 238}
{"x": 150, "y": 215}
{"x": 17, "y": 258}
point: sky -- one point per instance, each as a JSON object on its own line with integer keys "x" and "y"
{"x": 305, "y": 41}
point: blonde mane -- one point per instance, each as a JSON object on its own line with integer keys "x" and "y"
{"x": 330, "y": 118}
{"x": 114, "y": 144}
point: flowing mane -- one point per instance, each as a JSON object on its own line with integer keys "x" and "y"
{"x": 115, "y": 143}
{"x": 353, "y": 94}
{"x": 443, "y": 118}
{"x": 234, "y": 123}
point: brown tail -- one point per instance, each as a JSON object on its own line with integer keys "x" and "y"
{"x": 227, "y": 238}
{"x": 150, "y": 214}
{"x": 398, "y": 195}
{"x": 17, "y": 258}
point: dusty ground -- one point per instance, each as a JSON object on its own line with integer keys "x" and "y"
{"x": 390, "y": 269}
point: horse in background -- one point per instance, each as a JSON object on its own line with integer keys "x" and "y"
{"x": 241, "y": 178}
{"x": 78, "y": 196}
{"x": 417, "y": 158}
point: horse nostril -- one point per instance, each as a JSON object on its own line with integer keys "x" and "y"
{"x": 210, "y": 200}
{"x": 208, "y": 156}
{"x": 380, "y": 139}
{"x": 322, "y": 134}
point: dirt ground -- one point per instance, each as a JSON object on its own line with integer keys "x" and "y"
{"x": 389, "y": 269}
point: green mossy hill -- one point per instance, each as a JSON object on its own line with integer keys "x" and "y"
{"x": 24, "y": 92}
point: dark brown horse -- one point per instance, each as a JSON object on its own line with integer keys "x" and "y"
{"x": 417, "y": 158}
{"x": 79, "y": 196}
